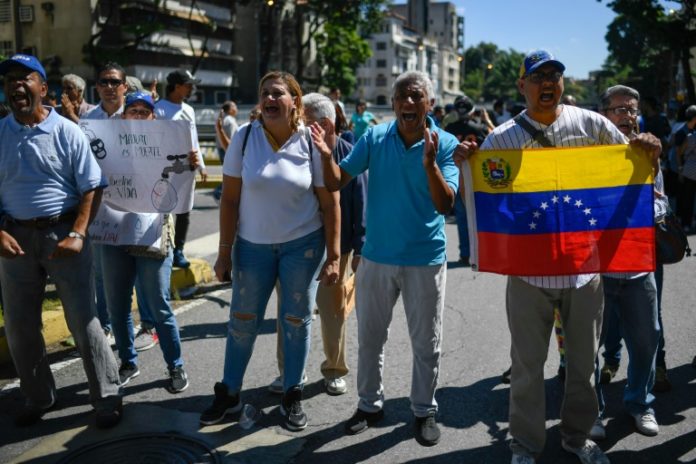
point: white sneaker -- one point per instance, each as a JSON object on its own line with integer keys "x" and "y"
{"x": 336, "y": 386}
{"x": 646, "y": 423}
{"x": 588, "y": 453}
{"x": 522, "y": 459}
{"x": 598, "y": 432}
{"x": 276, "y": 386}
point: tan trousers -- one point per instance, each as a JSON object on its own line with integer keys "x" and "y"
{"x": 530, "y": 312}
{"x": 335, "y": 303}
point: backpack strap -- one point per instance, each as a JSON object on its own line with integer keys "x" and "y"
{"x": 536, "y": 134}
{"x": 246, "y": 138}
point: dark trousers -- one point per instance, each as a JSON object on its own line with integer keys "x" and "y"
{"x": 685, "y": 203}
{"x": 181, "y": 228}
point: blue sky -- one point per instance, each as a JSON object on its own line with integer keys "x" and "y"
{"x": 573, "y": 30}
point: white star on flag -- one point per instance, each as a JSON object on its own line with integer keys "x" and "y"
{"x": 554, "y": 199}
{"x": 578, "y": 203}
{"x": 593, "y": 222}
{"x": 587, "y": 211}
{"x": 532, "y": 225}
{"x": 544, "y": 205}
{"x": 536, "y": 214}
{"x": 566, "y": 199}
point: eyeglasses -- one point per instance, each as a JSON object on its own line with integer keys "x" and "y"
{"x": 109, "y": 82}
{"x": 145, "y": 113}
{"x": 623, "y": 111}
{"x": 538, "y": 77}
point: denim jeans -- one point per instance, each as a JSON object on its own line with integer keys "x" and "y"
{"x": 635, "y": 303}
{"x": 146, "y": 319}
{"x": 99, "y": 298}
{"x": 119, "y": 277}
{"x": 612, "y": 324}
{"x": 23, "y": 286}
{"x": 462, "y": 226}
{"x": 256, "y": 267}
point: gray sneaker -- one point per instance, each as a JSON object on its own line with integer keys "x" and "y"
{"x": 276, "y": 386}
{"x": 178, "y": 380}
{"x": 588, "y": 453}
{"x": 145, "y": 339}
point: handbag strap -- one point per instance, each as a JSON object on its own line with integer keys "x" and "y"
{"x": 536, "y": 134}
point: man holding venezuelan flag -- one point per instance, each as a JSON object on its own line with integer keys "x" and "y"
{"x": 552, "y": 219}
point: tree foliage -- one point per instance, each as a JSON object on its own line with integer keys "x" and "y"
{"x": 491, "y": 73}
{"x": 340, "y": 30}
{"x": 648, "y": 44}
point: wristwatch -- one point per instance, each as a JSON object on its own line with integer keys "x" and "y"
{"x": 77, "y": 235}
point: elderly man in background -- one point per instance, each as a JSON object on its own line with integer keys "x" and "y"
{"x": 50, "y": 189}
{"x": 336, "y": 301}
{"x": 73, "y": 105}
{"x": 412, "y": 185}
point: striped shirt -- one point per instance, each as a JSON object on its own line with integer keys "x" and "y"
{"x": 574, "y": 127}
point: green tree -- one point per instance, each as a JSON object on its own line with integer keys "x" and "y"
{"x": 490, "y": 72}
{"x": 646, "y": 44}
{"x": 340, "y": 30}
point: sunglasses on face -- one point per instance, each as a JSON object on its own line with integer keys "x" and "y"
{"x": 109, "y": 82}
{"x": 538, "y": 77}
{"x": 623, "y": 111}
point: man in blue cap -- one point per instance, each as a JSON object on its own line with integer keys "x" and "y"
{"x": 50, "y": 189}
{"x": 530, "y": 300}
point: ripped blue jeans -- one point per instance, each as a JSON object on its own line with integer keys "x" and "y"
{"x": 255, "y": 268}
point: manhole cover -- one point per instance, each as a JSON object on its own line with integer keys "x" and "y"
{"x": 158, "y": 448}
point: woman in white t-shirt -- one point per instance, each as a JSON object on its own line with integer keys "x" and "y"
{"x": 280, "y": 218}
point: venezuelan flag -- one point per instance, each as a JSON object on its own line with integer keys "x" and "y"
{"x": 559, "y": 211}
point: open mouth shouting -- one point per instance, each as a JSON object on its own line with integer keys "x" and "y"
{"x": 21, "y": 100}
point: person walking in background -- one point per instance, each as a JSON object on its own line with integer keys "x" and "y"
{"x": 180, "y": 85}
{"x": 404, "y": 251}
{"x": 50, "y": 189}
{"x": 335, "y": 302}
{"x": 283, "y": 223}
{"x": 225, "y": 128}
{"x": 361, "y": 119}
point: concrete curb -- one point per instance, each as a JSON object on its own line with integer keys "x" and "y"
{"x": 55, "y": 329}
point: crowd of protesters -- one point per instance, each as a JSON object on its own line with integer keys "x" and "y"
{"x": 298, "y": 214}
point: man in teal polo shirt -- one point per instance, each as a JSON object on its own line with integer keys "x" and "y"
{"x": 413, "y": 181}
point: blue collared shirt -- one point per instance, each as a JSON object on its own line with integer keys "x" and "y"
{"x": 403, "y": 226}
{"x": 45, "y": 169}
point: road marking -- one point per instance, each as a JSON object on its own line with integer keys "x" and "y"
{"x": 58, "y": 366}
{"x": 203, "y": 246}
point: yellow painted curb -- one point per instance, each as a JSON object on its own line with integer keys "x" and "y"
{"x": 199, "y": 272}
{"x": 212, "y": 182}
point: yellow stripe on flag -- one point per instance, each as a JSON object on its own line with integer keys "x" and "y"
{"x": 552, "y": 169}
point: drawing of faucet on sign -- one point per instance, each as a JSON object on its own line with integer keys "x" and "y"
{"x": 164, "y": 196}
{"x": 95, "y": 143}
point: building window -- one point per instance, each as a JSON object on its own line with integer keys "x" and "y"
{"x": 381, "y": 63}
{"x": 221, "y": 96}
{"x": 6, "y": 48}
{"x": 381, "y": 81}
{"x": 5, "y": 11}
{"x": 381, "y": 45}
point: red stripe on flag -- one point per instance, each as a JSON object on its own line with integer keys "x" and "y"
{"x": 618, "y": 250}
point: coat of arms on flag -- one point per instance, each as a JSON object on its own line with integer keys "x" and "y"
{"x": 558, "y": 211}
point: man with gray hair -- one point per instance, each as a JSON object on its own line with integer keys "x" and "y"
{"x": 73, "y": 105}
{"x": 335, "y": 302}
{"x": 631, "y": 299}
{"x": 412, "y": 185}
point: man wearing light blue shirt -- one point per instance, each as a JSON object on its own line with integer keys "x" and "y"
{"x": 50, "y": 188}
{"x": 413, "y": 181}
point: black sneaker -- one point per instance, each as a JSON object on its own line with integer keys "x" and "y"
{"x": 223, "y": 404}
{"x": 178, "y": 380}
{"x": 427, "y": 431}
{"x": 291, "y": 409}
{"x": 126, "y": 372}
{"x": 361, "y": 420}
{"x": 30, "y": 415}
{"x": 107, "y": 418}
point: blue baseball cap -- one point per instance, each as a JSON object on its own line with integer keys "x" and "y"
{"x": 28, "y": 61}
{"x": 140, "y": 96}
{"x": 536, "y": 59}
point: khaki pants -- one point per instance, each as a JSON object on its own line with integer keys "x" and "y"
{"x": 530, "y": 312}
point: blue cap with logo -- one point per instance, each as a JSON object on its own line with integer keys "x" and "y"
{"x": 140, "y": 96}
{"x": 536, "y": 59}
{"x": 28, "y": 61}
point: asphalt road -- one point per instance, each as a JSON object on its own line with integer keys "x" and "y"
{"x": 473, "y": 404}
